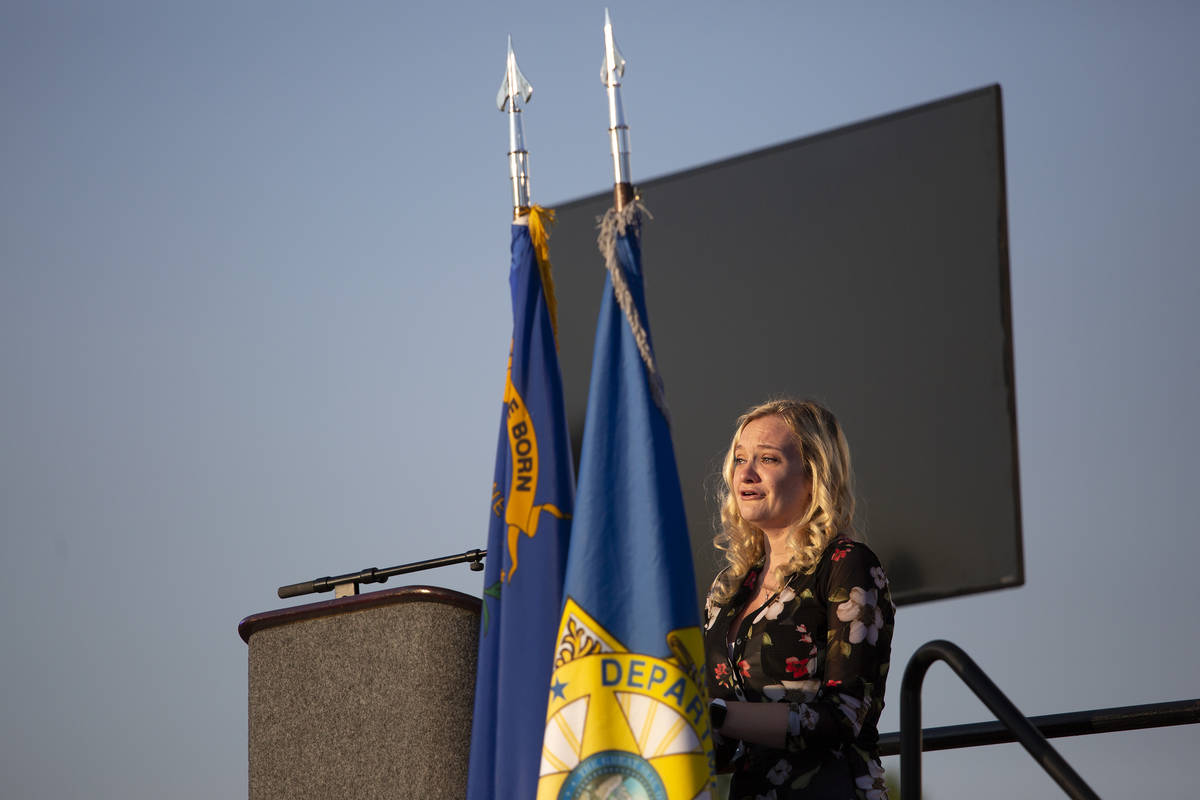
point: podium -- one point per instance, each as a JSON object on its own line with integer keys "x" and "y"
{"x": 368, "y": 696}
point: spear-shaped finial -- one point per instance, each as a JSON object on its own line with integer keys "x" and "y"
{"x": 515, "y": 90}
{"x": 618, "y": 132}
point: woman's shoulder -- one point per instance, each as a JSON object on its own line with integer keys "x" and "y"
{"x": 723, "y": 576}
{"x": 721, "y": 588}
{"x": 843, "y": 549}
{"x": 846, "y": 560}
{"x": 714, "y": 588}
{"x": 847, "y": 565}
{"x": 714, "y": 606}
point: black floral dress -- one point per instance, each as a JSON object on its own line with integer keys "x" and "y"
{"x": 821, "y": 643}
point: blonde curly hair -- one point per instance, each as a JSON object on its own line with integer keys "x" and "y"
{"x": 830, "y": 512}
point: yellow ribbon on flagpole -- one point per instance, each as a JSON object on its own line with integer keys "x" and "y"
{"x": 540, "y": 221}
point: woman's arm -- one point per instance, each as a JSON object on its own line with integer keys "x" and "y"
{"x": 858, "y": 649}
{"x": 760, "y": 723}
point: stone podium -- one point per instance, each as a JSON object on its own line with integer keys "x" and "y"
{"x": 368, "y": 696}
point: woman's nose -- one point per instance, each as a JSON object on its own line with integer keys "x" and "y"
{"x": 747, "y": 472}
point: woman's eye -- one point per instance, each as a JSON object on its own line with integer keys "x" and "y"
{"x": 769, "y": 458}
{"x": 739, "y": 460}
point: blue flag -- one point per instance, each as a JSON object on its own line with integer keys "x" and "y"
{"x": 531, "y": 504}
{"x": 627, "y": 708}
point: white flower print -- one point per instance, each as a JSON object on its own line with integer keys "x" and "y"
{"x": 879, "y": 577}
{"x": 851, "y": 706}
{"x": 801, "y": 717}
{"x": 710, "y": 611}
{"x": 872, "y": 785}
{"x": 795, "y": 691}
{"x": 773, "y": 609}
{"x": 778, "y": 773}
{"x": 806, "y": 690}
{"x": 864, "y": 616}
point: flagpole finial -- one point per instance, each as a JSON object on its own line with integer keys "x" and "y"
{"x": 618, "y": 132}
{"x": 514, "y": 92}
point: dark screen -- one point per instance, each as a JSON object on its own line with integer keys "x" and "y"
{"x": 865, "y": 268}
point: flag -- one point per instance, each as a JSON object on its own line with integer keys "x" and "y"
{"x": 627, "y": 714}
{"x": 532, "y": 495}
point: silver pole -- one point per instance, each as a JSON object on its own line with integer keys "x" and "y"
{"x": 618, "y": 132}
{"x": 514, "y": 91}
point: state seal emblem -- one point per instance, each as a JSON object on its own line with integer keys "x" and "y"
{"x": 623, "y": 725}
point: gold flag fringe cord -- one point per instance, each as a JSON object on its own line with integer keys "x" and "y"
{"x": 613, "y": 225}
{"x": 540, "y": 222}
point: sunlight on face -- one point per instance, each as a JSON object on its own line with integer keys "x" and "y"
{"x": 770, "y": 481}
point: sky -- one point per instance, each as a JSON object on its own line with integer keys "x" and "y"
{"x": 254, "y": 318}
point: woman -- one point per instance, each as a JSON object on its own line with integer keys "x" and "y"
{"x": 799, "y": 622}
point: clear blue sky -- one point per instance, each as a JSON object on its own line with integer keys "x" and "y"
{"x": 254, "y": 318}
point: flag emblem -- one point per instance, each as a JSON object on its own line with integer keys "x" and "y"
{"x": 622, "y": 724}
{"x": 520, "y": 514}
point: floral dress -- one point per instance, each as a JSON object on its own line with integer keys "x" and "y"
{"x": 821, "y": 643}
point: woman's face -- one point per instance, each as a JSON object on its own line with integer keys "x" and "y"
{"x": 769, "y": 479}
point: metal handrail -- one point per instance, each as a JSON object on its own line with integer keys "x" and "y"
{"x": 1053, "y": 726}
{"x": 991, "y": 696}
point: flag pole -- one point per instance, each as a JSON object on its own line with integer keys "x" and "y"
{"x": 515, "y": 91}
{"x": 532, "y": 500}
{"x": 629, "y": 533}
{"x": 618, "y": 132}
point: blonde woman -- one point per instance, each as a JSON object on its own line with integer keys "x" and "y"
{"x": 799, "y": 622}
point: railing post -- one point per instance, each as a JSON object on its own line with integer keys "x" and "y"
{"x": 910, "y": 721}
{"x": 987, "y": 691}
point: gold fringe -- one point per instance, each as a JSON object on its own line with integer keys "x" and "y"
{"x": 540, "y": 222}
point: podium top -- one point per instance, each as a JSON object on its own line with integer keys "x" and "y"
{"x": 342, "y": 605}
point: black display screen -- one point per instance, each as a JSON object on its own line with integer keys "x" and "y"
{"x": 866, "y": 268}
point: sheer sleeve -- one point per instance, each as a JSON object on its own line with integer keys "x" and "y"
{"x": 858, "y": 648}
